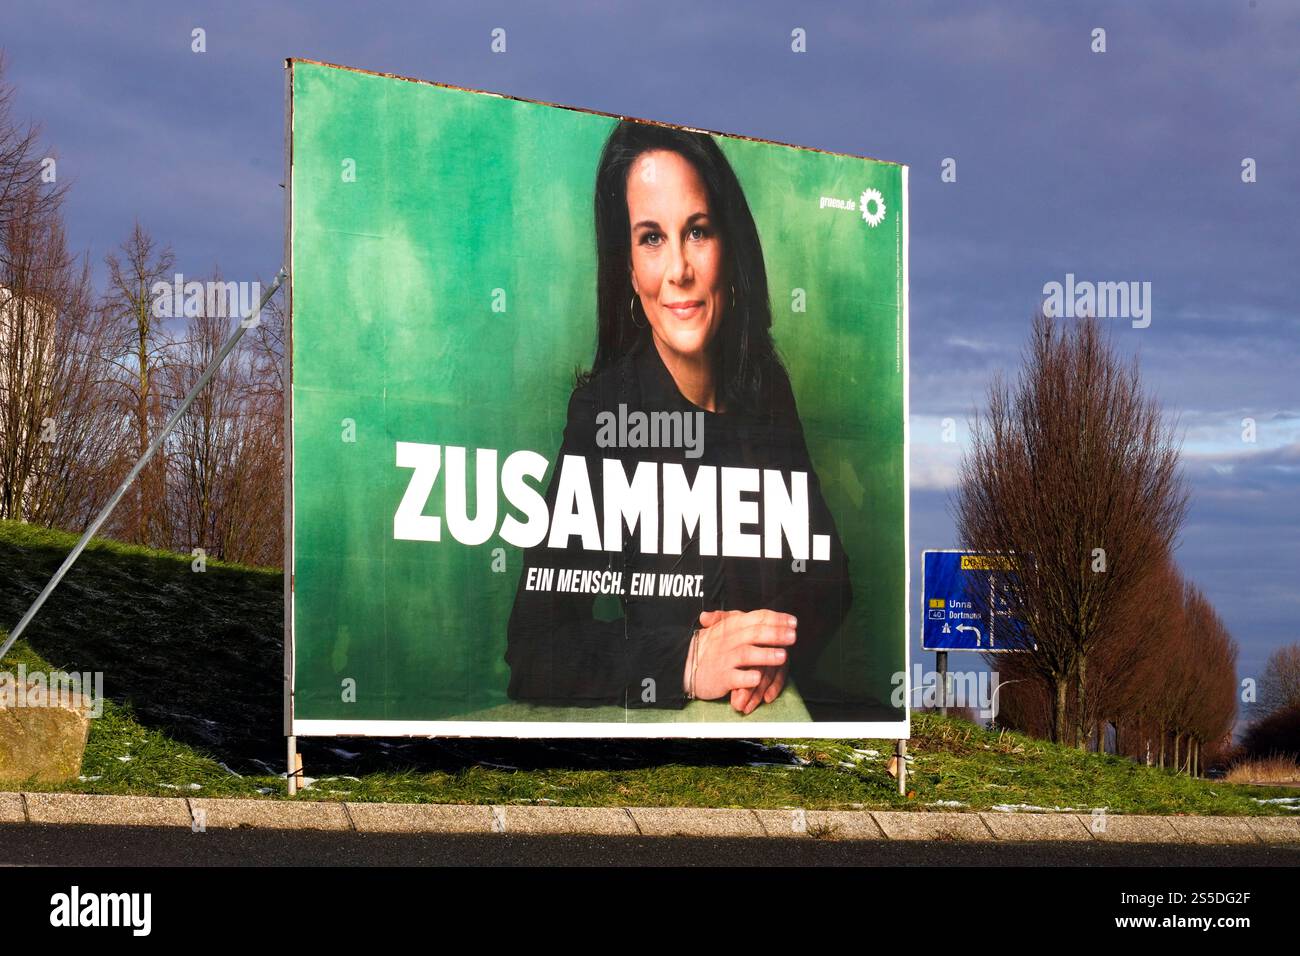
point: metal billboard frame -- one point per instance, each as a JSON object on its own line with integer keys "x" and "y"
{"x": 898, "y": 730}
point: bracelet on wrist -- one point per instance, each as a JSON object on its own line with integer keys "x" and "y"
{"x": 695, "y": 662}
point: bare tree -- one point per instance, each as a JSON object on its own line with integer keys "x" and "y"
{"x": 138, "y": 350}
{"x": 1142, "y": 700}
{"x": 225, "y": 471}
{"x": 1212, "y": 658}
{"x": 1129, "y": 659}
{"x": 83, "y": 389}
{"x": 59, "y": 438}
{"x": 201, "y": 447}
{"x": 1193, "y": 703}
{"x": 28, "y": 184}
{"x": 59, "y": 441}
{"x": 1279, "y": 689}
{"x": 266, "y": 459}
{"x": 1073, "y": 477}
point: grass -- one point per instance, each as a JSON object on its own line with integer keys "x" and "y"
{"x": 1275, "y": 769}
{"x": 192, "y": 667}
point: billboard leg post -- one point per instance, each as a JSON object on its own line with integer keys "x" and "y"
{"x": 900, "y": 750}
{"x": 100, "y": 518}
{"x": 295, "y": 766}
{"x": 941, "y": 665}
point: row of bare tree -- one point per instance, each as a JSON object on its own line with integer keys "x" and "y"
{"x": 1163, "y": 687}
{"x": 87, "y": 380}
{"x": 1073, "y": 477}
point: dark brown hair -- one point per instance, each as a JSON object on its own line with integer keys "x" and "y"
{"x": 743, "y": 354}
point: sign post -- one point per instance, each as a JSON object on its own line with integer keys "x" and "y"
{"x": 941, "y": 665}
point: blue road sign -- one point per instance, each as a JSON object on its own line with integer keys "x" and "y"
{"x": 952, "y": 620}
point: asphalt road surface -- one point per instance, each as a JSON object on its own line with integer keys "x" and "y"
{"x": 33, "y": 845}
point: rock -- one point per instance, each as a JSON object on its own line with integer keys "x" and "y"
{"x": 44, "y": 744}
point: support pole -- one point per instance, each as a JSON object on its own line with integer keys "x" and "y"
{"x": 900, "y": 750}
{"x": 100, "y": 518}
{"x": 295, "y": 766}
{"x": 941, "y": 665}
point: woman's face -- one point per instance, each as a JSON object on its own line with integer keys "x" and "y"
{"x": 677, "y": 261}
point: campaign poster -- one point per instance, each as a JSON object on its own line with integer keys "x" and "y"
{"x": 597, "y": 425}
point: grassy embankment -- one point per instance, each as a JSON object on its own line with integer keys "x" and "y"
{"x": 192, "y": 665}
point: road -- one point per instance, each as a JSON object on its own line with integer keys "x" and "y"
{"x": 31, "y": 845}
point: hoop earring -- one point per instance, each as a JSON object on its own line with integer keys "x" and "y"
{"x": 733, "y": 298}
{"x": 632, "y": 309}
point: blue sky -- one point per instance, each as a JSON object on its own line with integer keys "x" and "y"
{"x": 1122, "y": 165}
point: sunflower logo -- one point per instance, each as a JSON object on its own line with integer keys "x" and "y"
{"x": 872, "y": 205}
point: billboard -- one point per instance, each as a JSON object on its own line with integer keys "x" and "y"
{"x": 962, "y": 606}
{"x": 597, "y": 425}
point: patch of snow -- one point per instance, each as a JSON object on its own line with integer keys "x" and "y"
{"x": 1030, "y": 808}
{"x": 1286, "y": 803}
{"x": 947, "y": 803}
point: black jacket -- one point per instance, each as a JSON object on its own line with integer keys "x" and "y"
{"x": 560, "y": 652}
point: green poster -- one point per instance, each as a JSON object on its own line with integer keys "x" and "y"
{"x": 597, "y": 425}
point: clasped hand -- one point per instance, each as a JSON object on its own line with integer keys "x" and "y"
{"x": 742, "y": 654}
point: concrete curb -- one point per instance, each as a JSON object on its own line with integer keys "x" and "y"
{"x": 12, "y": 808}
{"x": 420, "y": 818}
{"x": 1214, "y": 829}
{"x": 1276, "y": 829}
{"x": 1118, "y": 828}
{"x": 212, "y": 813}
{"x": 1036, "y": 826}
{"x": 228, "y": 814}
{"x": 75, "y": 808}
{"x": 904, "y": 825}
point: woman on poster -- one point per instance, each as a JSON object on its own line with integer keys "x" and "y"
{"x": 683, "y": 328}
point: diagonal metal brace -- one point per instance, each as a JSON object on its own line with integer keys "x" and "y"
{"x": 172, "y": 422}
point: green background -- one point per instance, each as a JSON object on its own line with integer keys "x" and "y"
{"x": 458, "y": 194}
